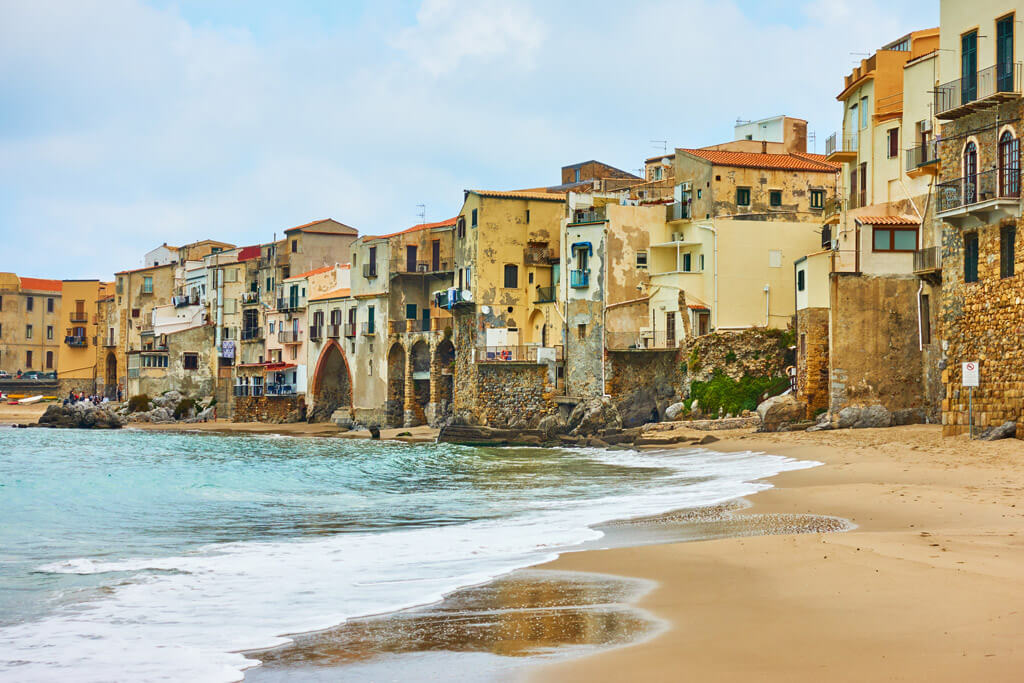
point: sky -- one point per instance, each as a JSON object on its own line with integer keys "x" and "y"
{"x": 125, "y": 124}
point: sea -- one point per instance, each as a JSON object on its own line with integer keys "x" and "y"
{"x": 155, "y": 556}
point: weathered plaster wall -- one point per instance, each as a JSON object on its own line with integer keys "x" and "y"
{"x": 812, "y": 358}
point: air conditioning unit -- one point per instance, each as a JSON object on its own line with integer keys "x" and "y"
{"x": 686, "y": 187}
{"x": 835, "y": 245}
{"x": 677, "y": 237}
{"x": 926, "y": 125}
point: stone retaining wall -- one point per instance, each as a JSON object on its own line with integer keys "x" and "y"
{"x": 271, "y": 409}
{"x": 706, "y": 425}
{"x": 509, "y": 393}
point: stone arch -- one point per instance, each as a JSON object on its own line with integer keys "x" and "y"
{"x": 442, "y": 375}
{"x": 332, "y": 383}
{"x": 419, "y": 359}
{"x": 535, "y": 329}
{"x": 110, "y": 377}
{"x": 396, "y": 385}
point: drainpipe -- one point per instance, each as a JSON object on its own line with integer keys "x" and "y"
{"x": 220, "y": 305}
{"x": 604, "y": 310}
{"x": 767, "y": 305}
{"x": 920, "y": 330}
{"x": 714, "y": 233}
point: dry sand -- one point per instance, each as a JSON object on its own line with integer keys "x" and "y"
{"x": 929, "y": 587}
{"x": 21, "y": 414}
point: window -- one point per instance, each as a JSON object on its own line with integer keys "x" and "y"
{"x": 147, "y": 284}
{"x": 863, "y": 112}
{"x": 1004, "y": 54}
{"x": 49, "y": 331}
{"x": 1007, "y": 240}
{"x": 895, "y": 239}
{"x": 49, "y": 305}
{"x": 28, "y": 360}
{"x": 641, "y": 259}
{"x": 968, "y": 67}
{"x": 926, "y": 320}
{"x": 286, "y": 272}
{"x": 473, "y": 219}
{"x": 1009, "y": 165}
{"x": 971, "y": 257}
{"x": 576, "y": 175}
{"x": 460, "y": 227}
{"x": 410, "y": 311}
{"x": 657, "y": 173}
{"x": 28, "y": 331}
{"x": 190, "y": 361}
{"x": 863, "y": 183}
{"x": 687, "y": 262}
{"x": 893, "y": 139}
{"x": 527, "y": 215}
{"x": 49, "y": 360}
{"x": 970, "y": 173}
{"x": 743, "y": 196}
{"x": 271, "y": 327}
{"x": 581, "y": 330}
{"x": 826, "y": 237}
{"x": 29, "y": 303}
{"x": 511, "y": 276}
{"x": 295, "y": 246}
{"x": 530, "y": 276}
{"x": 699, "y": 193}
{"x": 817, "y": 199}
{"x": 801, "y": 281}
{"x": 136, "y": 313}
{"x": 1, "y": 303}
{"x": 775, "y": 197}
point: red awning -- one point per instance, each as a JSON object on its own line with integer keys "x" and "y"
{"x": 267, "y": 367}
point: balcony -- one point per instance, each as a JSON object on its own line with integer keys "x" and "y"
{"x": 289, "y": 337}
{"x": 316, "y": 332}
{"x": 986, "y": 197}
{"x": 545, "y": 295}
{"x": 978, "y": 91}
{"x": 448, "y": 299}
{"x": 398, "y": 326}
{"x": 923, "y": 159}
{"x": 146, "y": 291}
{"x": 369, "y": 329}
{"x": 350, "y": 329}
{"x": 76, "y": 341}
{"x": 842, "y": 149}
{"x": 279, "y": 390}
{"x": 593, "y": 215}
{"x": 109, "y": 343}
{"x": 185, "y": 300}
{"x": 657, "y": 340}
{"x": 928, "y": 261}
{"x": 79, "y": 317}
{"x": 677, "y": 211}
{"x": 146, "y": 329}
{"x": 333, "y": 331}
{"x": 250, "y": 298}
{"x": 424, "y": 267}
{"x": 579, "y": 279}
{"x": 369, "y": 270}
{"x": 537, "y": 255}
{"x": 252, "y": 334}
{"x": 517, "y": 354}
{"x": 292, "y": 303}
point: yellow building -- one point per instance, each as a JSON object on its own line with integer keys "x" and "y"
{"x": 30, "y": 332}
{"x": 138, "y": 292}
{"x": 78, "y": 326}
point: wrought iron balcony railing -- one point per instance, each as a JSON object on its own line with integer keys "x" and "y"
{"x": 579, "y": 279}
{"x": 978, "y": 90}
{"x": 981, "y": 187}
{"x": 922, "y": 155}
{"x": 289, "y": 336}
{"x": 545, "y": 295}
{"x": 252, "y": 334}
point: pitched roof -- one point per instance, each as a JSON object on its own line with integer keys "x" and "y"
{"x": 41, "y": 284}
{"x": 448, "y": 222}
{"x": 305, "y": 227}
{"x": 780, "y": 162}
{"x": 521, "y": 194}
{"x": 315, "y": 271}
{"x": 333, "y": 294}
{"x": 909, "y": 221}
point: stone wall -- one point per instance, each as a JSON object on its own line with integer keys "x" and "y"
{"x": 981, "y": 321}
{"x": 643, "y": 384}
{"x": 512, "y": 393}
{"x": 756, "y": 352}
{"x": 812, "y": 366}
{"x": 87, "y": 386}
{"x": 271, "y": 409}
{"x": 874, "y": 351}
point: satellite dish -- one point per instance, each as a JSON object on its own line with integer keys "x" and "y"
{"x": 486, "y": 310}
{"x": 468, "y": 296}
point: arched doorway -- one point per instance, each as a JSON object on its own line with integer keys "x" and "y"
{"x": 535, "y": 330}
{"x": 332, "y": 383}
{"x": 444, "y": 366}
{"x": 420, "y": 359}
{"x": 396, "y": 385}
{"x": 110, "y": 378}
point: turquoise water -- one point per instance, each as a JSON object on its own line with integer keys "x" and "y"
{"x": 159, "y": 556}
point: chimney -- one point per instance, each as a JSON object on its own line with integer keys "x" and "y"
{"x": 764, "y": 146}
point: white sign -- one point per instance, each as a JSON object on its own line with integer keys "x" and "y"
{"x": 970, "y": 374}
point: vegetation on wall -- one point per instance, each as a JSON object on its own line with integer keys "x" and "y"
{"x": 725, "y": 395}
{"x": 138, "y": 403}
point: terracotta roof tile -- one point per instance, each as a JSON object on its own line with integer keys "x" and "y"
{"x": 41, "y": 284}
{"x": 315, "y": 271}
{"x": 416, "y": 228}
{"x": 333, "y": 294}
{"x": 909, "y": 221}
{"x": 521, "y": 194}
{"x": 780, "y": 162}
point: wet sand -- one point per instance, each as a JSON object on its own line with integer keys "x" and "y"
{"x": 21, "y": 414}
{"x": 422, "y": 434}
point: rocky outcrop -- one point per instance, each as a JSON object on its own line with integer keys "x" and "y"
{"x": 779, "y": 411}
{"x": 592, "y": 416}
{"x": 645, "y": 404}
{"x": 856, "y": 417}
{"x": 1007, "y": 430}
{"x": 162, "y": 410}
{"x": 79, "y": 416}
{"x": 674, "y": 411}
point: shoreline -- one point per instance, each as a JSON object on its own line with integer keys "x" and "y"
{"x": 928, "y": 586}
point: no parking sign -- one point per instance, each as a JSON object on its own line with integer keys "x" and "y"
{"x": 971, "y": 375}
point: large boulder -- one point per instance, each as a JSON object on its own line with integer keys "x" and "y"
{"x": 1007, "y": 430}
{"x": 674, "y": 411}
{"x": 79, "y": 416}
{"x": 780, "y": 410}
{"x": 874, "y": 416}
{"x": 594, "y": 415}
{"x": 551, "y": 426}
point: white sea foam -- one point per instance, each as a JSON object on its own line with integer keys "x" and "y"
{"x": 186, "y": 617}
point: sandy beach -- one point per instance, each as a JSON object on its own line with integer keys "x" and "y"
{"x": 928, "y": 587}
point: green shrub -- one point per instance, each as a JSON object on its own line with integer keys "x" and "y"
{"x": 732, "y": 396}
{"x": 730, "y": 357}
{"x": 137, "y": 403}
{"x": 693, "y": 364}
{"x": 184, "y": 406}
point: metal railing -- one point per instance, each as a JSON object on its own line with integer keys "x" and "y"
{"x": 545, "y": 295}
{"x": 842, "y": 143}
{"x": 291, "y": 303}
{"x": 289, "y": 336}
{"x": 425, "y": 267}
{"x": 982, "y": 187}
{"x": 589, "y": 215}
{"x": 677, "y": 211}
{"x": 579, "y": 279}
{"x": 76, "y": 341}
{"x": 79, "y": 317}
{"x": 928, "y": 259}
{"x": 279, "y": 390}
{"x": 996, "y": 82}
{"x": 536, "y": 255}
{"x": 316, "y": 332}
{"x": 637, "y": 340}
{"x": 369, "y": 328}
{"x": 333, "y": 331}
{"x": 922, "y": 155}
{"x": 350, "y": 329}
{"x": 249, "y": 298}
{"x": 251, "y": 334}
{"x": 369, "y": 270}
{"x": 527, "y": 353}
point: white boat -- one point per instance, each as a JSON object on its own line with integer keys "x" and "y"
{"x": 30, "y": 400}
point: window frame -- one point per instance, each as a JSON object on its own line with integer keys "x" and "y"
{"x": 513, "y": 269}
{"x": 745, "y": 194}
{"x": 970, "y": 257}
{"x": 892, "y": 230}
{"x": 189, "y": 360}
{"x": 644, "y": 256}
{"x": 817, "y": 199}
{"x": 1007, "y": 251}
{"x": 892, "y": 140}
{"x": 801, "y": 280}
{"x": 772, "y": 195}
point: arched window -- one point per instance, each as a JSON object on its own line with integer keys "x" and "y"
{"x": 1009, "y": 165}
{"x": 970, "y": 173}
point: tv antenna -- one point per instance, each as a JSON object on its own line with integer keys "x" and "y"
{"x": 663, "y": 143}
{"x": 422, "y": 212}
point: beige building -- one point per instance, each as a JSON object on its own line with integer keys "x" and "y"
{"x": 30, "y": 323}
{"x": 138, "y": 292}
